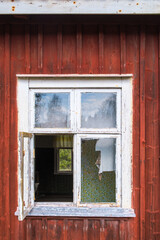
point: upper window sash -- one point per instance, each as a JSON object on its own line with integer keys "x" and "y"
{"x": 77, "y": 109}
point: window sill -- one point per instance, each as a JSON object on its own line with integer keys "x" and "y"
{"x": 41, "y": 210}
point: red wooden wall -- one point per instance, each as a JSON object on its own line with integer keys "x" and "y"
{"x": 67, "y": 45}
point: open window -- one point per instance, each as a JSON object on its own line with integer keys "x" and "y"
{"x": 53, "y": 168}
{"x": 79, "y": 136}
{"x": 26, "y": 174}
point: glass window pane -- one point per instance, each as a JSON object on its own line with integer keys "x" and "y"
{"x": 98, "y": 170}
{"x": 98, "y": 110}
{"x": 52, "y": 110}
{"x": 65, "y": 160}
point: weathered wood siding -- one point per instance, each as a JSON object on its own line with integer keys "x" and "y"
{"x": 67, "y": 45}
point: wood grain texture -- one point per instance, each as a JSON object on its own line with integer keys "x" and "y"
{"x": 2, "y": 84}
{"x": 123, "y": 49}
{"x": 88, "y": 45}
{"x": 17, "y": 46}
{"x": 40, "y": 48}
{"x": 27, "y": 49}
{"x": 152, "y": 131}
{"x": 142, "y": 132}
{"x": 6, "y": 135}
{"x": 132, "y": 65}
{"x": 79, "y": 48}
{"x": 114, "y": 50}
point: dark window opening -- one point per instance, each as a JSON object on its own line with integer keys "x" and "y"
{"x": 50, "y": 184}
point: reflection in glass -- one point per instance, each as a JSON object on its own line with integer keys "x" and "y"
{"x": 65, "y": 160}
{"x": 98, "y": 170}
{"x": 52, "y": 110}
{"x": 98, "y": 110}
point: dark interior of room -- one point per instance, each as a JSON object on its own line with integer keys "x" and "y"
{"x": 50, "y": 186}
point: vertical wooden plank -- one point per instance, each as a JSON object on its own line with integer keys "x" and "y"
{"x": 78, "y": 229}
{"x": 96, "y": 229}
{"x": 50, "y": 49}
{"x": 122, "y": 230}
{"x": 123, "y": 49}
{"x": 55, "y": 230}
{"x": 70, "y": 232}
{"x": 34, "y": 48}
{"x": 85, "y": 229}
{"x": 112, "y": 57}
{"x": 91, "y": 229}
{"x": 79, "y": 48}
{"x": 75, "y": 229}
{"x": 1, "y": 122}
{"x": 28, "y": 229}
{"x": 158, "y": 214}
{"x": 40, "y": 48}
{"x": 69, "y": 53}
{"x": 152, "y": 131}
{"x": 59, "y": 45}
{"x": 101, "y": 49}
{"x": 51, "y": 230}
{"x": 132, "y": 66}
{"x": 90, "y": 59}
{"x": 102, "y": 229}
{"x": 6, "y": 136}
{"x": 111, "y": 230}
{"x": 37, "y": 229}
{"x": 142, "y": 132}
{"x": 44, "y": 226}
{"x": 17, "y": 66}
{"x": 65, "y": 228}
{"x": 27, "y": 49}
{"x": 114, "y": 226}
{"x": 91, "y": 226}
{"x": 22, "y": 229}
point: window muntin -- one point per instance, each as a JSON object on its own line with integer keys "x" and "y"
{"x": 123, "y": 130}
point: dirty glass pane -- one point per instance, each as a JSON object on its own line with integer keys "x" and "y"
{"x": 52, "y": 110}
{"x": 98, "y": 110}
{"x": 98, "y": 170}
{"x": 65, "y": 160}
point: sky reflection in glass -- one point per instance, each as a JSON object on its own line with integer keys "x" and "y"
{"x": 52, "y": 110}
{"x": 98, "y": 110}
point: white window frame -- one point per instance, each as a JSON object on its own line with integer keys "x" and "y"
{"x": 122, "y": 84}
